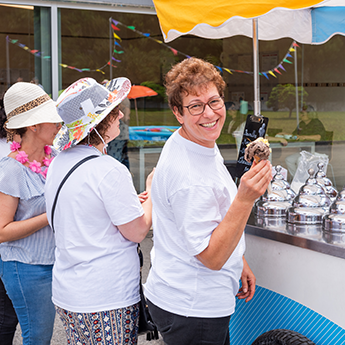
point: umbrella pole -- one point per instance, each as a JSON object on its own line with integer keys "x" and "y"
{"x": 136, "y": 111}
{"x": 296, "y": 87}
{"x": 257, "y": 110}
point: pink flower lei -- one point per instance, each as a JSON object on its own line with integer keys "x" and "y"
{"x": 35, "y": 166}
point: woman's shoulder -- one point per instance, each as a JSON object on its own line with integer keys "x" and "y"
{"x": 18, "y": 181}
{"x": 9, "y": 165}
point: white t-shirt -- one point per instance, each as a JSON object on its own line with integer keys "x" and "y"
{"x": 191, "y": 193}
{"x": 96, "y": 268}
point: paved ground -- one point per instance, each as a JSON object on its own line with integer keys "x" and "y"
{"x": 59, "y": 337}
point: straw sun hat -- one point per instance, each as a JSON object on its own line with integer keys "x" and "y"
{"x": 27, "y": 104}
{"x": 84, "y": 104}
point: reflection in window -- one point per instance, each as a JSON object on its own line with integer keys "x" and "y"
{"x": 25, "y": 37}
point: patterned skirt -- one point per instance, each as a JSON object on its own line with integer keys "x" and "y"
{"x": 112, "y": 327}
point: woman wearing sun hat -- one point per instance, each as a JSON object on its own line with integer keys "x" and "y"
{"x": 27, "y": 241}
{"x": 98, "y": 219}
{"x": 8, "y": 316}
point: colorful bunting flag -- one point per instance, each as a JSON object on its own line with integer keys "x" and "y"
{"x": 115, "y": 27}
{"x": 117, "y": 37}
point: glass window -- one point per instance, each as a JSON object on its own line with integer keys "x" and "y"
{"x": 137, "y": 51}
{"x": 25, "y": 41}
{"x": 134, "y": 44}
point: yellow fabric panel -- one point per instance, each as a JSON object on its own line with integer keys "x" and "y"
{"x": 184, "y": 15}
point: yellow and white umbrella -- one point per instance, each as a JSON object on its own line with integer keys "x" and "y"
{"x": 223, "y": 18}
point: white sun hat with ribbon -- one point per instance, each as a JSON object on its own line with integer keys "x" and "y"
{"x": 27, "y": 104}
{"x": 84, "y": 104}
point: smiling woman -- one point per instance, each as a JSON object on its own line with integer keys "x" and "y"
{"x": 199, "y": 216}
{"x": 195, "y": 92}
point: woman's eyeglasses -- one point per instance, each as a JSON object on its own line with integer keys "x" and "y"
{"x": 198, "y": 108}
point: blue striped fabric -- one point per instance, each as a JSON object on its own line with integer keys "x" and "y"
{"x": 270, "y": 310}
{"x": 19, "y": 181}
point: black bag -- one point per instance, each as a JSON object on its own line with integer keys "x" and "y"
{"x": 146, "y": 324}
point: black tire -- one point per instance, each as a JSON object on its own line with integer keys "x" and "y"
{"x": 282, "y": 337}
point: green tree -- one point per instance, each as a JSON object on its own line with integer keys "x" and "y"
{"x": 284, "y": 96}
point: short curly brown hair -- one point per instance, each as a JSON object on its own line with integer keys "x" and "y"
{"x": 93, "y": 138}
{"x": 185, "y": 77}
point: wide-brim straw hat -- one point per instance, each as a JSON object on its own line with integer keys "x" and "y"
{"x": 27, "y": 104}
{"x": 84, "y": 104}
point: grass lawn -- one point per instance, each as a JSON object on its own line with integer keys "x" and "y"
{"x": 333, "y": 121}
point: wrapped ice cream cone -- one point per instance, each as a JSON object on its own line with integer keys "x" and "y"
{"x": 258, "y": 149}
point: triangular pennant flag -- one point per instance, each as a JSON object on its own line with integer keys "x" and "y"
{"x": 158, "y": 41}
{"x": 118, "y": 52}
{"x": 271, "y": 73}
{"x": 146, "y": 35}
{"x": 14, "y": 41}
{"x": 292, "y": 49}
{"x": 295, "y": 44}
{"x": 174, "y": 51}
{"x": 289, "y": 55}
{"x": 260, "y": 73}
{"x": 277, "y": 70}
{"x": 286, "y": 60}
{"x": 118, "y": 44}
{"x": 63, "y": 65}
{"x": 115, "y": 59}
{"x": 265, "y": 74}
{"x": 221, "y": 70}
{"x": 116, "y": 36}
{"x": 281, "y": 66}
{"x": 85, "y": 69}
{"x": 115, "y": 22}
{"x": 227, "y": 69}
{"x": 108, "y": 63}
{"x": 115, "y": 27}
{"x": 131, "y": 27}
{"x": 34, "y": 51}
{"x": 99, "y": 70}
{"x": 188, "y": 57}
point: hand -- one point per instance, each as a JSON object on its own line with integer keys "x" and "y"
{"x": 248, "y": 279}
{"x": 149, "y": 180}
{"x": 143, "y": 196}
{"x": 255, "y": 182}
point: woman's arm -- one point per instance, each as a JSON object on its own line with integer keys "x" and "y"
{"x": 137, "y": 229}
{"x": 11, "y": 230}
{"x": 227, "y": 234}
